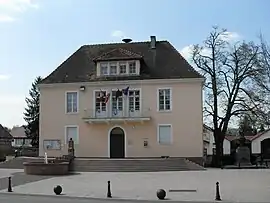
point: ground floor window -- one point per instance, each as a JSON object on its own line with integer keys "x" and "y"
{"x": 72, "y": 132}
{"x": 165, "y": 134}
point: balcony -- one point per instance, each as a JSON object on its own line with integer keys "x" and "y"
{"x": 116, "y": 116}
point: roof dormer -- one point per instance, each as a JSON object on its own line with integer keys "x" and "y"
{"x": 118, "y": 54}
{"x": 118, "y": 62}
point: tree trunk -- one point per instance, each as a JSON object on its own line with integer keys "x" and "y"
{"x": 218, "y": 156}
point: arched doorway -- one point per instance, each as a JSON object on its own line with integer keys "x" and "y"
{"x": 117, "y": 143}
{"x": 265, "y": 148}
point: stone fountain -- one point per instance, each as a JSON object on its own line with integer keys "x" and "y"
{"x": 56, "y": 166}
{"x": 45, "y": 158}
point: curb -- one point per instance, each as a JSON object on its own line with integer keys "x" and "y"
{"x": 64, "y": 196}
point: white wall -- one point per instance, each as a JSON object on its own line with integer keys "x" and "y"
{"x": 226, "y": 146}
{"x": 256, "y": 144}
{"x": 209, "y": 134}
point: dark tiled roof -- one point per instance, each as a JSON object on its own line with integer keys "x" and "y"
{"x": 4, "y": 133}
{"x": 118, "y": 54}
{"x": 164, "y": 62}
{"x": 233, "y": 137}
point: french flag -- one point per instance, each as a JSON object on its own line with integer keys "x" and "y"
{"x": 107, "y": 98}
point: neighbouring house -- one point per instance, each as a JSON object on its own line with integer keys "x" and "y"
{"x": 209, "y": 144}
{"x": 259, "y": 144}
{"x": 5, "y": 143}
{"x": 123, "y": 100}
{"x": 19, "y": 137}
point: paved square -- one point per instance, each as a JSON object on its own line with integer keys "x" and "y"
{"x": 235, "y": 185}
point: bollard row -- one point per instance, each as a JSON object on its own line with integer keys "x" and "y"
{"x": 161, "y": 193}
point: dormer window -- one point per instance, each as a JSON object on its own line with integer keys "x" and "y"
{"x": 103, "y": 69}
{"x": 132, "y": 67}
{"x": 113, "y": 68}
{"x": 122, "y": 68}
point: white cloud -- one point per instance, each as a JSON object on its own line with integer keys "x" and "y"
{"x": 9, "y": 8}
{"x": 186, "y": 52}
{"x": 17, "y": 5}
{"x": 6, "y": 18}
{"x": 12, "y": 107}
{"x": 4, "y": 77}
{"x": 118, "y": 34}
{"x": 229, "y": 37}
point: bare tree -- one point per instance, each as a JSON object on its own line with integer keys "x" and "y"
{"x": 265, "y": 57}
{"x": 265, "y": 81}
{"x": 231, "y": 89}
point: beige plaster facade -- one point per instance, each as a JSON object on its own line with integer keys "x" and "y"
{"x": 141, "y": 137}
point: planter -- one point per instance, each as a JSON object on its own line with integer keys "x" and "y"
{"x": 40, "y": 168}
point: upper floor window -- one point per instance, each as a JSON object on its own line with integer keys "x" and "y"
{"x": 100, "y": 104}
{"x": 71, "y": 102}
{"x": 104, "y": 69}
{"x": 122, "y": 68}
{"x": 134, "y": 100}
{"x": 164, "y": 99}
{"x": 132, "y": 68}
{"x": 117, "y": 103}
{"x": 113, "y": 68}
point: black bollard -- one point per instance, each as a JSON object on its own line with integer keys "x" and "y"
{"x": 9, "y": 185}
{"x": 161, "y": 194}
{"x": 109, "y": 194}
{"x": 217, "y": 192}
{"x": 57, "y": 190}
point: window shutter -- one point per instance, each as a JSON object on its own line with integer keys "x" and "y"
{"x": 165, "y": 134}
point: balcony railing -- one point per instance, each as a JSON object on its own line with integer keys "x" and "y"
{"x": 93, "y": 115}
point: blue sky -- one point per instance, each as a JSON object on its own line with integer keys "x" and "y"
{"x": 36, "y": 36}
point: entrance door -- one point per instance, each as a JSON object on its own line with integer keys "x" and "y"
{"x": 117, "y": 143}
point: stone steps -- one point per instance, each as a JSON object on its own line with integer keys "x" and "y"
{"x": 134, "y": 165}
{"x": 116, "y": 165}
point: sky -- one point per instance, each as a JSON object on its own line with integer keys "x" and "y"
{"x": 36, "y": 36}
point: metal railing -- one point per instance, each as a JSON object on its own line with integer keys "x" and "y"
{"x": 116, "y": 113}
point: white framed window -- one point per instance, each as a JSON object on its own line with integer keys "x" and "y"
{"x": 113, "y": 68}
{"x": 100, "y": 105}
{"x": 165, "y": 134}
{"x": 132, "y": 67}
{"x": 72, "y": 105}
{"x": 122, "y": 68}
{"x": 164, "y": 99}
{"x": 104, "y": 69}
{"x": 134, "y": 100}
{"x": 117, "y": 103}
{"x": 52, "y": 144}
{"x": 72, "y": 132}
